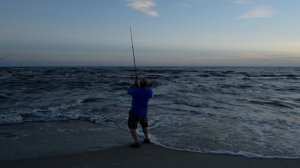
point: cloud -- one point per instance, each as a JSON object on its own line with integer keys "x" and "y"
{"x": 259, "y": 12}
{"x": 144, "y": 6}
{"x": 242, "y": 2}
{"x": 192, "y": 3}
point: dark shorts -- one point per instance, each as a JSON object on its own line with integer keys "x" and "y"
{"x": 133, "y": 120}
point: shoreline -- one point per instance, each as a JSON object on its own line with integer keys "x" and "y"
{"x": 30, "y": 140}
{"x": 149, "y": 155}
{"x": 42, "y": 139}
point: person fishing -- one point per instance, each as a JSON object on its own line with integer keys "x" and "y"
{"x": 141, "y": 93}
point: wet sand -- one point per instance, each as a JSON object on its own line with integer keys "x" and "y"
{"x": 79, "y": 144}
{"x": 148, "y": 156}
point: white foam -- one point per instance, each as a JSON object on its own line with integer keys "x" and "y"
{"x": 10, "y": 118}
{"x": 65, "y": 106}
{"x": 155, "y": 141}
{"x": 239, "y": 153}
{"x": 96, "y": 119}
{"x": 71, "y": 115}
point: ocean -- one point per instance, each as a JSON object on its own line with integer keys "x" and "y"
{"x": 251, "y": 111}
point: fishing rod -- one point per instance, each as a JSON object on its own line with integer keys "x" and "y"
{"x": 136, "y": 76}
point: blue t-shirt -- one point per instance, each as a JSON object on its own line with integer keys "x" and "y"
{"x": 140, "y": 98}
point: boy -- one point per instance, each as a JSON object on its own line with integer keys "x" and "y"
{"x": 141, "y": 93}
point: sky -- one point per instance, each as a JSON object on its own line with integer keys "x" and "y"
{"x": 165, "y": 32}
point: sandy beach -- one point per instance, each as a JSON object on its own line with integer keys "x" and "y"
{"x": 78, "y": 144}
{"x": 148, "y": 156}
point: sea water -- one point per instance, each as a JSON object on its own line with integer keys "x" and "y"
{"x": 252, "y": 111}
